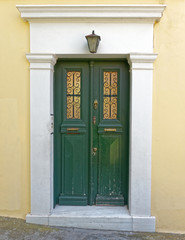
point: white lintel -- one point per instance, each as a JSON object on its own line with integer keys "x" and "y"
{"x": 91, "y": 12}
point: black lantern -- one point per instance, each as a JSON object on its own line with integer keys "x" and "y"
{"x": 93, "y": 42}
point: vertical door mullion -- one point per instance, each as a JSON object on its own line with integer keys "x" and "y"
{"x": 91, "y": 172}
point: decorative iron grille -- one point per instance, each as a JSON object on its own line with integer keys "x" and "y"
{"x": 73, "y": 94}
{"x": 110, "y": 95}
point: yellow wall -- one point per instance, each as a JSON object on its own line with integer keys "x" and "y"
{"x": 168, "y": 156}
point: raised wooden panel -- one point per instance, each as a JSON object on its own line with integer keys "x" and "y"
{"x": 74, "y": 176}
{"x": 109, "y": 175}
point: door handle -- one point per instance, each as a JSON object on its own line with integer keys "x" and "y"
{"x": 95, "y": 104}
{"x": 94, "y": 151}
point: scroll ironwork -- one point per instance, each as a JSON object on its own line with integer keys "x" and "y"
{"x": 73, "y": 94}
{"x": 110, "y": 95}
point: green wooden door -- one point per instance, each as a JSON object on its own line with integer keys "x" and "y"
{"x": 91, "y": 109}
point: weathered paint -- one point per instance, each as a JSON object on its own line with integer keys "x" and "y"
{"x": 168, "y": 112}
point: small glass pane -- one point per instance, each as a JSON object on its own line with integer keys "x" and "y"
{"x": 73, "y": 95}
{"x": 110, "y": 91}
{"x": 110, "y": 107}
{"x": 110, "y": 83}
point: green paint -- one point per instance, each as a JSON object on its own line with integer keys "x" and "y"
{"x": 82, "y": 177}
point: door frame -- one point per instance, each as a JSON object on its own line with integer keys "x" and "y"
{"x": 141, "y": 80}
{"x": 47, "y": 43}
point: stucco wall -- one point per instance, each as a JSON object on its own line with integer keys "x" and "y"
{"x": 168, "y": 155}
{"x": 168, "y": 178}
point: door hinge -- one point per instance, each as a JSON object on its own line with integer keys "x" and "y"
{"x": 51, "y": 124}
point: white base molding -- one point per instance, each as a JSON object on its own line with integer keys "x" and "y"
{"x": 94, "y": 217}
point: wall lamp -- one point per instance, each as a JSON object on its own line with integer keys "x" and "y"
{"x": 93, "y": 42}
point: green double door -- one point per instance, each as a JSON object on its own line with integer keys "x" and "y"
{"x": 91, "y": 117}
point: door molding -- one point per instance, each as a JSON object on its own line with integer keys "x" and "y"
{"x": 47, "y": 43}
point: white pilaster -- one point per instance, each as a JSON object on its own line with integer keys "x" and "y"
{"x": 41, "y": 109}
{"x": 141, "y": 72}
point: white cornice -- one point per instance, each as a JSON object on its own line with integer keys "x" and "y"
{"x": 41, "y": 61}
{"x": 41, "y": 58}
{"x": 139, "y": 61}
{"x": 142, "y": 58}
{"x": 91, "y": 12}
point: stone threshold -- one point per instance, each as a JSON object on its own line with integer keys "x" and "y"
{"x": 95, "y": 217}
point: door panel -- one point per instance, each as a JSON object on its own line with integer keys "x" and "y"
{"x": 112, "y": 132}
{"x": 72, "y": 123}
{"x": 74, "y": 172}
{"x": 109, "y": 182}
{"x": 91, "y": 133}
